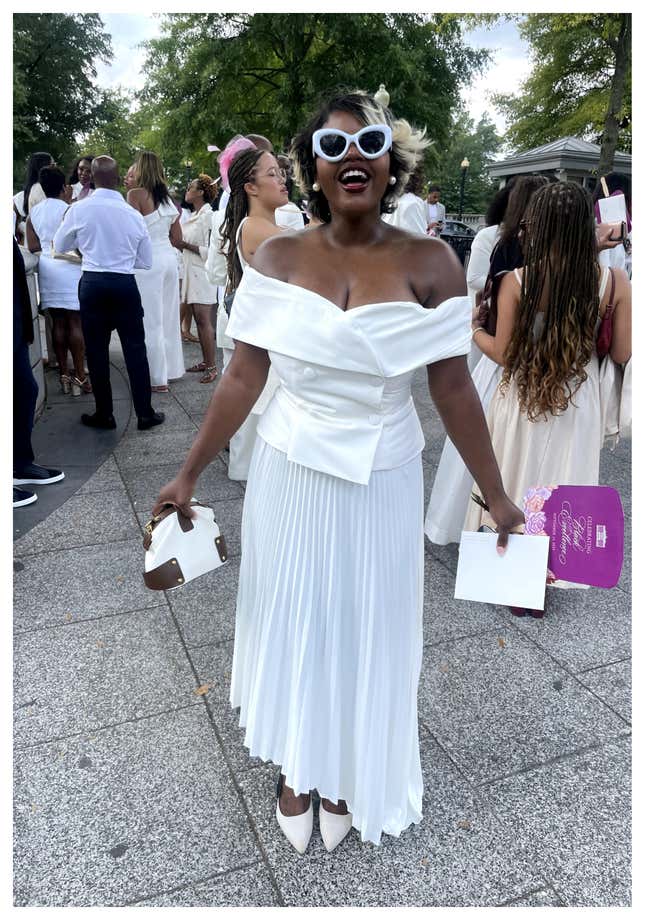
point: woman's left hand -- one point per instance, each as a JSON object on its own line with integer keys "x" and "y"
{"x": 508, "y": 518}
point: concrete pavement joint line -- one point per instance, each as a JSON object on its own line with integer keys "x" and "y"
{"x": 58, "y": 549}
{"x": 242, "y": 799}
{"x": 552, "y": 886}
{"x": 442, "y": 747}
{"x": 572, "y": 674}
{"x": 605, "y": 703}
{"x": 94, "y": 729}
{"x": 527, "y": 894}
{"x": 104, "y": 616}
{"x": 480, "y": 632}
{"x": 193, "y": 884}
{"x": 559, "y": 758}
{"x": 608, "y": 664}
{"x": 227, "y": 761}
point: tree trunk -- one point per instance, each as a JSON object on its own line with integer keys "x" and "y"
{"x": 609, "y": 140}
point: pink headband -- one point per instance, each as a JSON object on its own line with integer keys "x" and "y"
{"x": 228, "y": 154}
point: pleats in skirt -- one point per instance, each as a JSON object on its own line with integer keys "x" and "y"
{"x": 328, "y": 635}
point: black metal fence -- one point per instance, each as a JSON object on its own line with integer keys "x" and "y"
{"x": 461, "y": 244}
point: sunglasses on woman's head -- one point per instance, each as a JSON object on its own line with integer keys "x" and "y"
{"x": 332, "y": 144}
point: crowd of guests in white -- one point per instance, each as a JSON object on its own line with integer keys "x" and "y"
{"x": 317, "y": 413}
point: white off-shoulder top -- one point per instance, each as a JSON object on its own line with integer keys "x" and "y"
{"x": 344, "y": 405}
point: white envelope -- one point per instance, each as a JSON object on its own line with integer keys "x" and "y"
{"x": 612, "y": 210}
{"x": 516, "y": 579}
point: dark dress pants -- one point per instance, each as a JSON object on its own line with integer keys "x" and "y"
{"x": 25, "y": 395}
{"x": 111, "y": 301}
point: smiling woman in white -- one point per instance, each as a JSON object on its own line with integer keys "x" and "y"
{"x": 330, "y": 604}
{"x": 328, "y": 634}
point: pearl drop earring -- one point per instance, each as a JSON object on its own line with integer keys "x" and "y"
{"x": 392, "y": 180}
{"x": 316, "y": 186}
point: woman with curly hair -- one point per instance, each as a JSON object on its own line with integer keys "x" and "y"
{"x": 545, "y": 416}
{"x": 196, "y": 290}
{"x": 328, "y": 636}
{"x": 159, "y": 285}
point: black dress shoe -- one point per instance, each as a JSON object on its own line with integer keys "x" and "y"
{"x": 98, "y": 421}
{"x": 149, "y": 421}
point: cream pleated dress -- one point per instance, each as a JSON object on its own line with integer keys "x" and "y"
{"x": 453, "y": 482}
{"x": 328, "y": 635}
{"x": 559, "y": 450}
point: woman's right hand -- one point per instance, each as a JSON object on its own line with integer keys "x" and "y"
{"x": 177, "y": 492}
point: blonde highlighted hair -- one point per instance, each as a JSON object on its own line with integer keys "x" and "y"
{"x": 149, "y": 174}
{"x": 408, "y": 145}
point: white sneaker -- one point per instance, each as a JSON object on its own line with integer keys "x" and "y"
{"x": 296, "y": 828}
{"x": 333, "y": 828}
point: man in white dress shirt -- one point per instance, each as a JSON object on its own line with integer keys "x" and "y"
{"x": 436, "y": 211}
{"x": 113, "y": 240}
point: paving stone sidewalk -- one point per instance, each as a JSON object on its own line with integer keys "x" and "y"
{"x": 132, "y": 789}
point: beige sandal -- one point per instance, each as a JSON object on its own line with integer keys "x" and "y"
{"x": 209, "y": 376}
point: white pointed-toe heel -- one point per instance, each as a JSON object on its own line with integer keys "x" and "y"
{"x": 296, "y": 828}
{"x": 333, "y": 828}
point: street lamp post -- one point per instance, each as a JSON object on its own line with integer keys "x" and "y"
{"x": 382, "y": 96}
{"x": 464, "y": 169}
{"x": 188, "y": 165}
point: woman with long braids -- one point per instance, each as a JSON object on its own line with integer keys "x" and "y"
{"x": 544, "y": 418}
{"x": 257, "y": 187}
{"x": 453, "y": 482}
{"x": 328, "y": 634}
{"x": 196, "y": 290}
{"x": 159, "y": 285}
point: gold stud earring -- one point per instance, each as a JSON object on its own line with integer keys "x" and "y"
{"x": 316, "y": 187}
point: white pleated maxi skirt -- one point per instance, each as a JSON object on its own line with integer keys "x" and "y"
{"x": 329, "y": 634}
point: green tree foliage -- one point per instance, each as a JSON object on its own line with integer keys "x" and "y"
{"x": 210, "y": 76}
{"x": 581, "y": 76}
{"x": 117, "y": 133}
{"x": 479, "y": 144}
{"x": 55, "y": 96}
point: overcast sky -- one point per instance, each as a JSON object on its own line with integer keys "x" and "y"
{"x": 510, "y": 60}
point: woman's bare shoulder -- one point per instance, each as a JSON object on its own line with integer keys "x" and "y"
{"x": 434, "y": 269}
{"x": 277, "y": 255}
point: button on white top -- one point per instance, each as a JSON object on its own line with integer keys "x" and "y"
{"x": 309, "y": 372}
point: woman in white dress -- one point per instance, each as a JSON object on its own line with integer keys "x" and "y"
{"x": 58, "y": 280}
{"x": 328, "y": 639}
{"x": 453, "y": 483}
{"x": 197, "y": 291}
{"x": 159, "y": 285}
{"x": 545, "y": 417}
{"x": 81, "y": 178}
{"x": 257, "y": 189}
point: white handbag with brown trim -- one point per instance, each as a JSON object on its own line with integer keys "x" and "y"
{"x": 179, "y": 548}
